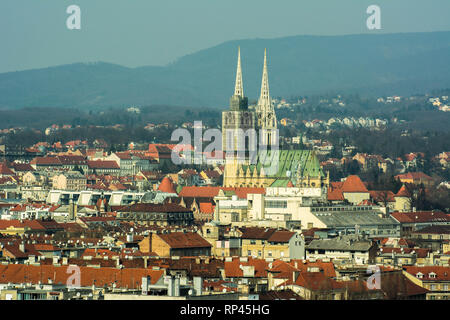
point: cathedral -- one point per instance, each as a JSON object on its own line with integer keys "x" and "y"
{"x": 250, "y": 142}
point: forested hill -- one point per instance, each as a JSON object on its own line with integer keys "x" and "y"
{"x": 378, "y": 64}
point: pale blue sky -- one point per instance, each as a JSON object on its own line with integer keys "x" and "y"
{"x": 33, "y": 33}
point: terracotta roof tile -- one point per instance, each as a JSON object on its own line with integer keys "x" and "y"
{"x": 184, "y": 240}
{"x": 441, "y": 273}
{"x": 100, "y": 164}
{"x": 353, "y": 184}
{"x": 167, "y": 186}
{"x": 123, "y": 278}
{"x": 421, "y": 217}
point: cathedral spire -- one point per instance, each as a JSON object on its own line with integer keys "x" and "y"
{"x": 239, "y": 89}
{"x": 264, "y": 99}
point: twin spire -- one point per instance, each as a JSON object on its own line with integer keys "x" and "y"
{"x": 264, "y": 98}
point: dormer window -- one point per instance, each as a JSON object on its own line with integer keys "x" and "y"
{"x": 419, "y": 275}
{"x": 432, "y": 275}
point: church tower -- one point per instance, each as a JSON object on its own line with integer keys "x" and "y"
{"x": 267, "y": 121}
{"x": 243, "y": 168}
{"x": 235, "y": 125}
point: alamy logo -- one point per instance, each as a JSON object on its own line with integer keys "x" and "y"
{"x": 374, "y": 20}
{"x": 374, "y": 281}
{"x": 243, "y": 146}
{"x": 74, "y": 20}
{"x": 74, "y": 280}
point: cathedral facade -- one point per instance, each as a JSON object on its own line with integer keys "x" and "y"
{"x": 250, "y": 142}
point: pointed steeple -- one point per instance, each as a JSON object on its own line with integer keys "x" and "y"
{"x": 264, "y": 99}
{"x": 239, "y": 87}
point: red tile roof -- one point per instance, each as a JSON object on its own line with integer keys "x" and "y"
{"x": 442, "y": 273}
{"x": 233, "y": 268}
{"x": 414, "y": 176}
{"x": 284, "y": 269}
{"x": 4, "y": 170}
{"x": 420, "y": 252}
{"x": 403, "y": 192}
{"x": 14, "y": 251}
{"x": 167, "y": 186}
{"x": 100, "y": 164}
{"x": 32, "y": 224}
{"x": 315, "y": 281}
{"x": 152, "y": 207}
{"x": 45, "y": 247}
{"x": 281, "y": 236}
{"x": 353, "y": 184}
{"x": 207, "y": 207}
{"x": 22, "y": 167}
{"x": 421, "y": 217}
{"x": 99, "y": 253}
{"x": 396, "y": 285}
{"x": 335, "y": 194}
{"x": 180, "y": 240}
{"x": 123, "y": 278}
{"x": 382, "y": 195}
{"x": 257, "y": 232}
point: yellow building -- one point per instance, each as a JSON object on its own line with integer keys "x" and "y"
{"x": 436, "y": 279}
{"x": 266, "y": 243}
{"x": 402, "y": 200}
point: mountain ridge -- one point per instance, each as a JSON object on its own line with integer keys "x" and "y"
{"x": 372, "y": 64}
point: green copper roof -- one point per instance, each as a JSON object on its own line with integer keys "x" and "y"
{"x": 290, "y": 163}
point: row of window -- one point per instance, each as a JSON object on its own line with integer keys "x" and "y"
{"x": 326, "y": 209}
{"x": 275, "y": 204}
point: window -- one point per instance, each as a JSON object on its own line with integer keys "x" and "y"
{"x": 275, "y": 204}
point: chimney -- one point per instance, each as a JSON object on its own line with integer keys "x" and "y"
{"x": 295, "y": 275}
{"x": 145, "y": 262}
{"x": 177, "y": 287}
{"x": 198, "y": 285}
{"x": 22, "y": 247}
{"x": 130, "y": 237}
{"x": 145, "y": 284}
{"x": 170, "y": 286}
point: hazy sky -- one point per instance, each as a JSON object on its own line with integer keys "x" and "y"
{"x": 33, "y": 33}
